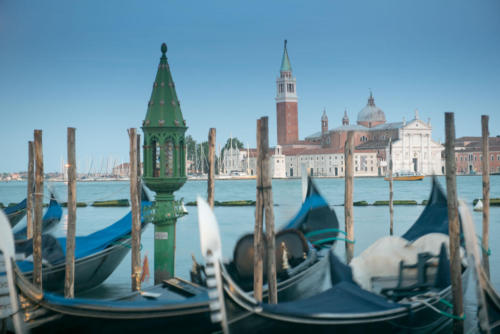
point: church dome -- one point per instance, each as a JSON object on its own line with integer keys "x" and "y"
{"x": 371, "y": 115}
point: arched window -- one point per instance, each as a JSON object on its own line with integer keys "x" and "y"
{"x": 156, "y": 159}
{"x": 169, "y": 158}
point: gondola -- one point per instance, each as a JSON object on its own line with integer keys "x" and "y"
{"x": 307, "y": 239}
{"x": 50, "y": 219}
{"x": 416, "y": 300}
{"x": 16, "y": 212}
{"x": 488, "y": 299}
{"x": 96, "y": 255}
{"x": 174, "y": 305}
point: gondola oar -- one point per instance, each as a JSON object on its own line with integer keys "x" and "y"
{"x": 474, "y": 260}
{"x": 8, "y": 251}
{"x": 212, "y": 251}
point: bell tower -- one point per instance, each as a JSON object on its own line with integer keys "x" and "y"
{"x": 286, "y": 103}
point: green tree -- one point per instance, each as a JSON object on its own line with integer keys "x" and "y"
{"x": 190, "y": 144}
{"x": 235, "y": 142}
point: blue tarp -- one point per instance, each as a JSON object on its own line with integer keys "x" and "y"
{"x": 434, "y": 218}
{"x": 97, "y": 241}
{"x": 315, "y": 219}
{"x": 54, "y": 212}
{"x": 14, "y": 208}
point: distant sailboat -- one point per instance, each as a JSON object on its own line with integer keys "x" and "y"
{"x": 478, "y": 206}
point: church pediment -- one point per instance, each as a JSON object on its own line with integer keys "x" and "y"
{"x": 417, "y": 124}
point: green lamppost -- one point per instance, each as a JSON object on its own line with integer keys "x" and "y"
{"x": 164, "y": 163}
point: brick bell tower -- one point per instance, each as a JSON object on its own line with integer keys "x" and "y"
{"x": 286, "y": 103}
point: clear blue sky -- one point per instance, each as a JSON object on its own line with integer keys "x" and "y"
{"x": 91, "y": 65}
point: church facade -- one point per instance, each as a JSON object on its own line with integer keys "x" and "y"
{"x": 322, "y": 153}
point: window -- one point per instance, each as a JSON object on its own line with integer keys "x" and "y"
{"x": 156, "y": 159}
{"x": 492, "y": 158}
{"x": 169, "y": 158}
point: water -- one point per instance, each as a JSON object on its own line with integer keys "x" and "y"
{"x": 370, "y": 222}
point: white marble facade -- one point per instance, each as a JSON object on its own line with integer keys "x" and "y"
{"x": 415, "y": 151}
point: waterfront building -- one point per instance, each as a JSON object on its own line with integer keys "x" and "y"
{"x": 234, "y": 160}
{"x": 469, "y": 155}
{"x": 413, "y": 147}
{"x": 323, "y": 152}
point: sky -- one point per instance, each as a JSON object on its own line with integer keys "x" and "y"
{"x": 91, "y": 65}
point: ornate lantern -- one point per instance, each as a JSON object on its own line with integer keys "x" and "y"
{"x": 164, "y": 163}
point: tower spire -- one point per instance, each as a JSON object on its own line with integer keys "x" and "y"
{"x": 285, "y": 61}
{"x": 286, "y": 102}
{"x": 164, "y": 108}
{"x": 345, "y": 119}
{"x": 371, "y": 100}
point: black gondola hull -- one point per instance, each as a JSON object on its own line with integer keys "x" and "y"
{"x": 244, "y": 315}
{"x": 90, "y": 271}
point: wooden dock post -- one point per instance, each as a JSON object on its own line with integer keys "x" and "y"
{"x": 391, "y": 192}
{"x": 69, "y": 279}
{"x": 454, "y": 227}
{"x": 348, "y": 208}
{"x": 258, "y": 246}
{"x": 136, "y": 218}
{"x": 37, "y": 212}
{"x": 139, "y": 173}
{"x": 29, "y": 197}
{"x": 211, "y": 167}
{"x": 486, "y": 193}
{"x": 267, "y": 197}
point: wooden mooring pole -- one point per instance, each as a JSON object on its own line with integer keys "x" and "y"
{"x": 69, "y": 279}
{"x": 139, "y": 173}
{"x": 391, "y": 191}
{"x": 267, "y": 197}
{"x": 454, "y": 227}
{"x": 486, "y": 193}
{"x": 348, "y": 206}
{"x": 258, "y": 245}
{"x": 37, "y": 212}
{"x": 29, "y": 197}
{"x": 211, "y": 167}
{"x": 136, "y": 218}
{"x": 264, "y": 208}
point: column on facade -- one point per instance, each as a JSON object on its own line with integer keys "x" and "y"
{"x": 410, "y": 152}
{"x": 403, "y": 150}
{"x": 429, "y": 154}
{"x": 421, "y": 162}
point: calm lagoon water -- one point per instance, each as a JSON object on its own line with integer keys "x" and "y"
{"x": 370, "y": 222}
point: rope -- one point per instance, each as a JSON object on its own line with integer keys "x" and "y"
{"x": 487, "y": 252}
{"x": 326, "y": 230}
{"x": 322, "y": 241}
{"x": 449, "y": 315}
{"x": 123, "y": 244}
{"x": 432, "y": 307}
